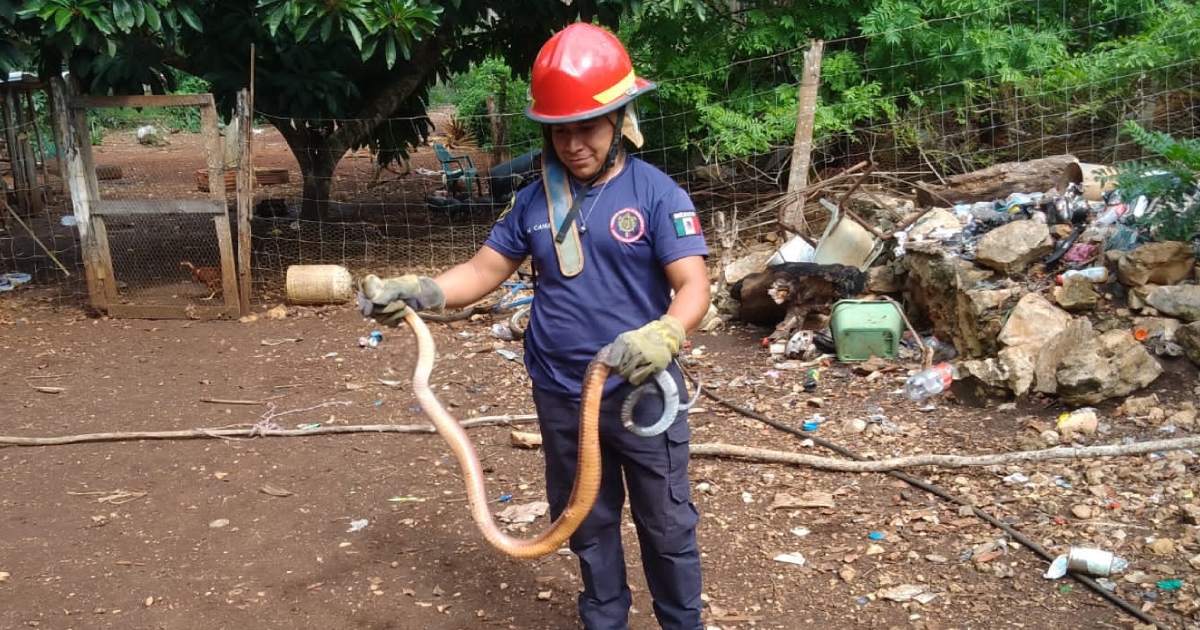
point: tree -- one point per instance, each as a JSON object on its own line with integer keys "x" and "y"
{"x": 335, "y": 75}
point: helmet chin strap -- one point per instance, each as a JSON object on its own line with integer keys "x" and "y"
{"x": 614, "y": 150}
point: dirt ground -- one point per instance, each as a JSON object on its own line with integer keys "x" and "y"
{"x": 191, "y": 534}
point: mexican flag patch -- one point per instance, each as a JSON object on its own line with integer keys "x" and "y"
{"x": 686, "y": 223}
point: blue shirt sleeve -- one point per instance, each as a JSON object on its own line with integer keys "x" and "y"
{"x": 676, "y": 227}
{"x": 508, "y": 235}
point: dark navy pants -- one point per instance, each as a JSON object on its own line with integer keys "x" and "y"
{"x": 654, "y": 470}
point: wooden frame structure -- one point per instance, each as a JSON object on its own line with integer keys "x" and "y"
{"x": 70, "y": 110}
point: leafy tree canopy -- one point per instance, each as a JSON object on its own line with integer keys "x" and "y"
{"x": 334, "y": 75}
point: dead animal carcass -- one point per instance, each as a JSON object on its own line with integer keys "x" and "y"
{"x": 788, "y": 294}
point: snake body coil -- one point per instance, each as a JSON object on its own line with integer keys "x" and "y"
{"x": 587, "y": 475}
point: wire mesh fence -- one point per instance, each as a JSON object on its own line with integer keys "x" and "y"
{"x": 916, "y": 121}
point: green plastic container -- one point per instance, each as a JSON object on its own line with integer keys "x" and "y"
{"x": 866, "y": 328}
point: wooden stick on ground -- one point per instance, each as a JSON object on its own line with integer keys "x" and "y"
{"x": 35, "y": 238}
{"x": 191, "y": 434}
{"x": 943, "y": 461}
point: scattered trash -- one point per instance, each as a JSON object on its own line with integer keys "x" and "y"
{"x": 1016, "y": 479}
{"x": 501, "y": 330}
{"x": 802, "y": 345}
{"x": 309, "y": 426}
{"x": 812, "y": 378}
{"x": 929, "y": 382}
{"x": 1096, "y": 275}
{"x": 523, "y": 513}
{"x": 371, "y": 341}
{"x": 406, "y": 499}
{"x": 901, "y": 593}
{"x": 800, "y": 532}
{"x": 1094, "y": 562}
{"x": 877, "y": 535}
{"x": 866, "y": 328}
{"x": 505, "y": 497}
{"x": 508, "y": 354}
{"x": 794, "y": 557}
{"x": 1082, "y": 421}
{"x": 1170, "y": 585}
{"x": 813, "y": 423}
{"x": 357, "y": 525}
{"x": 275, "y": 491}
{"x": 218, "y": 523}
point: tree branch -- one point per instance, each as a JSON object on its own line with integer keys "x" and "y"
{"x": 387, "y": 99}
{"x": 944, "y": 461}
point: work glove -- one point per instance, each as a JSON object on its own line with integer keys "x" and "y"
{"x": 639, "y": 354}
{"x": 387, "y": 300}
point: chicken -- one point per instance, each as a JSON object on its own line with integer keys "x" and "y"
{"x": 208, "y": 276}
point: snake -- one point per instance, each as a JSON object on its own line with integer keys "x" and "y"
{"x": 587, "y": 476}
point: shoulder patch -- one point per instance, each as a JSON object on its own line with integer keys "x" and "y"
{"x": 686, "y": 223}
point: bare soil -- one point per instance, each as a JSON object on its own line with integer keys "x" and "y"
{"x": 203, "y": 544}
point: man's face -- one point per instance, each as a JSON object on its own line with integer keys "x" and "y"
{"x": 582, "y": 146}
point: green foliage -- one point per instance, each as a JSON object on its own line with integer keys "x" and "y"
{"x": 932, "y": 75}
{"x": 1168, "y": 176}
{"x": 468, "y": 92}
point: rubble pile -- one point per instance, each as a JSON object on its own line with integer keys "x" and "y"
{"x": 1062, "y": 291}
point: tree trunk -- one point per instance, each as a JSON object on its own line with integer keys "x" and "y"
{"x": 319, "y": 149}
{"x": 998, "y": 181}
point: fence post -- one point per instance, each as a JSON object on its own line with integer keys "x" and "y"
{"x": 245, "y": 197}
{"x": 74, "y": 144}
{"x": 792, "y": 213}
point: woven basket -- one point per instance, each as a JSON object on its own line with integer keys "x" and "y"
{"x": 319, "y": 284}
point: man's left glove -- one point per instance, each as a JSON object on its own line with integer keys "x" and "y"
{"x": 639, "y": 354}
{"x": 387, "y": 299}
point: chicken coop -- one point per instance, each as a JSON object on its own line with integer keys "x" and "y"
{"x": 154, "y": 246}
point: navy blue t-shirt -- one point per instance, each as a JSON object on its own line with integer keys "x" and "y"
{"x": 635, "y": 225}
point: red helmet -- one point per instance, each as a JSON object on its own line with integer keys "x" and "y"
{"x": 582, "y": 72}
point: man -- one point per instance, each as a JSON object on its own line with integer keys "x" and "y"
{"x": 610, "y": 237}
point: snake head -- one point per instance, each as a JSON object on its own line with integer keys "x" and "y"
{"x": 389, "y": 314}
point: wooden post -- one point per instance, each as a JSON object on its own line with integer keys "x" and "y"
{"x": 26, "y": 133}
{"x": 500, "y": 149}
{"x": 212, "y": 149}
{"x": 41, "y": 148}
{"x": 16, "y": 154}
{"x": 792, "y": 213}
{"x": 75, "y": 149}
{"x": 245, "y": 198}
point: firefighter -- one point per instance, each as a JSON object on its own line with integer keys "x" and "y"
{"x": 619, "y": 257}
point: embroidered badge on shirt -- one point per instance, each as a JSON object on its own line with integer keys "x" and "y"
{"x": 686, "y": 223}
{"x": 627, "y": 225}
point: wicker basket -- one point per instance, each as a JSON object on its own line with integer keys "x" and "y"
{"x": 319, "y": 284}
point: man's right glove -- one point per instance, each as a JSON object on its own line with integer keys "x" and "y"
{"x": 388, "y": 299}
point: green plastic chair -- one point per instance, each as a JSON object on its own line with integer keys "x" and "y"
{"x": 456, "y": 168}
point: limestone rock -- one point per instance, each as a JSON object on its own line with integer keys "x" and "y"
{"x": 1052, "y": 352}
{"x": 1034, "y": 321}
{"x": 884, "y": 279}
{"x": 939, "y": 221}
{"x": 1076, "y": 294}
{"x": 1018, "y": 365}
{"x": 1012, "y": 247}
{"x": 944, "y": 290}
{"x": 1168, "y": 262}
{"x": 1188, "y": 337}
{"x": 1182, "y": 301}
{"x": 1136, "y": 406}
{"x": 746, "y": 265}
{"x": 1107, "y": 366}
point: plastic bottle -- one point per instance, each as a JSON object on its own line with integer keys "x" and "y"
{"x": 929, "y": 382}
{"x": 1095, "y": 274}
